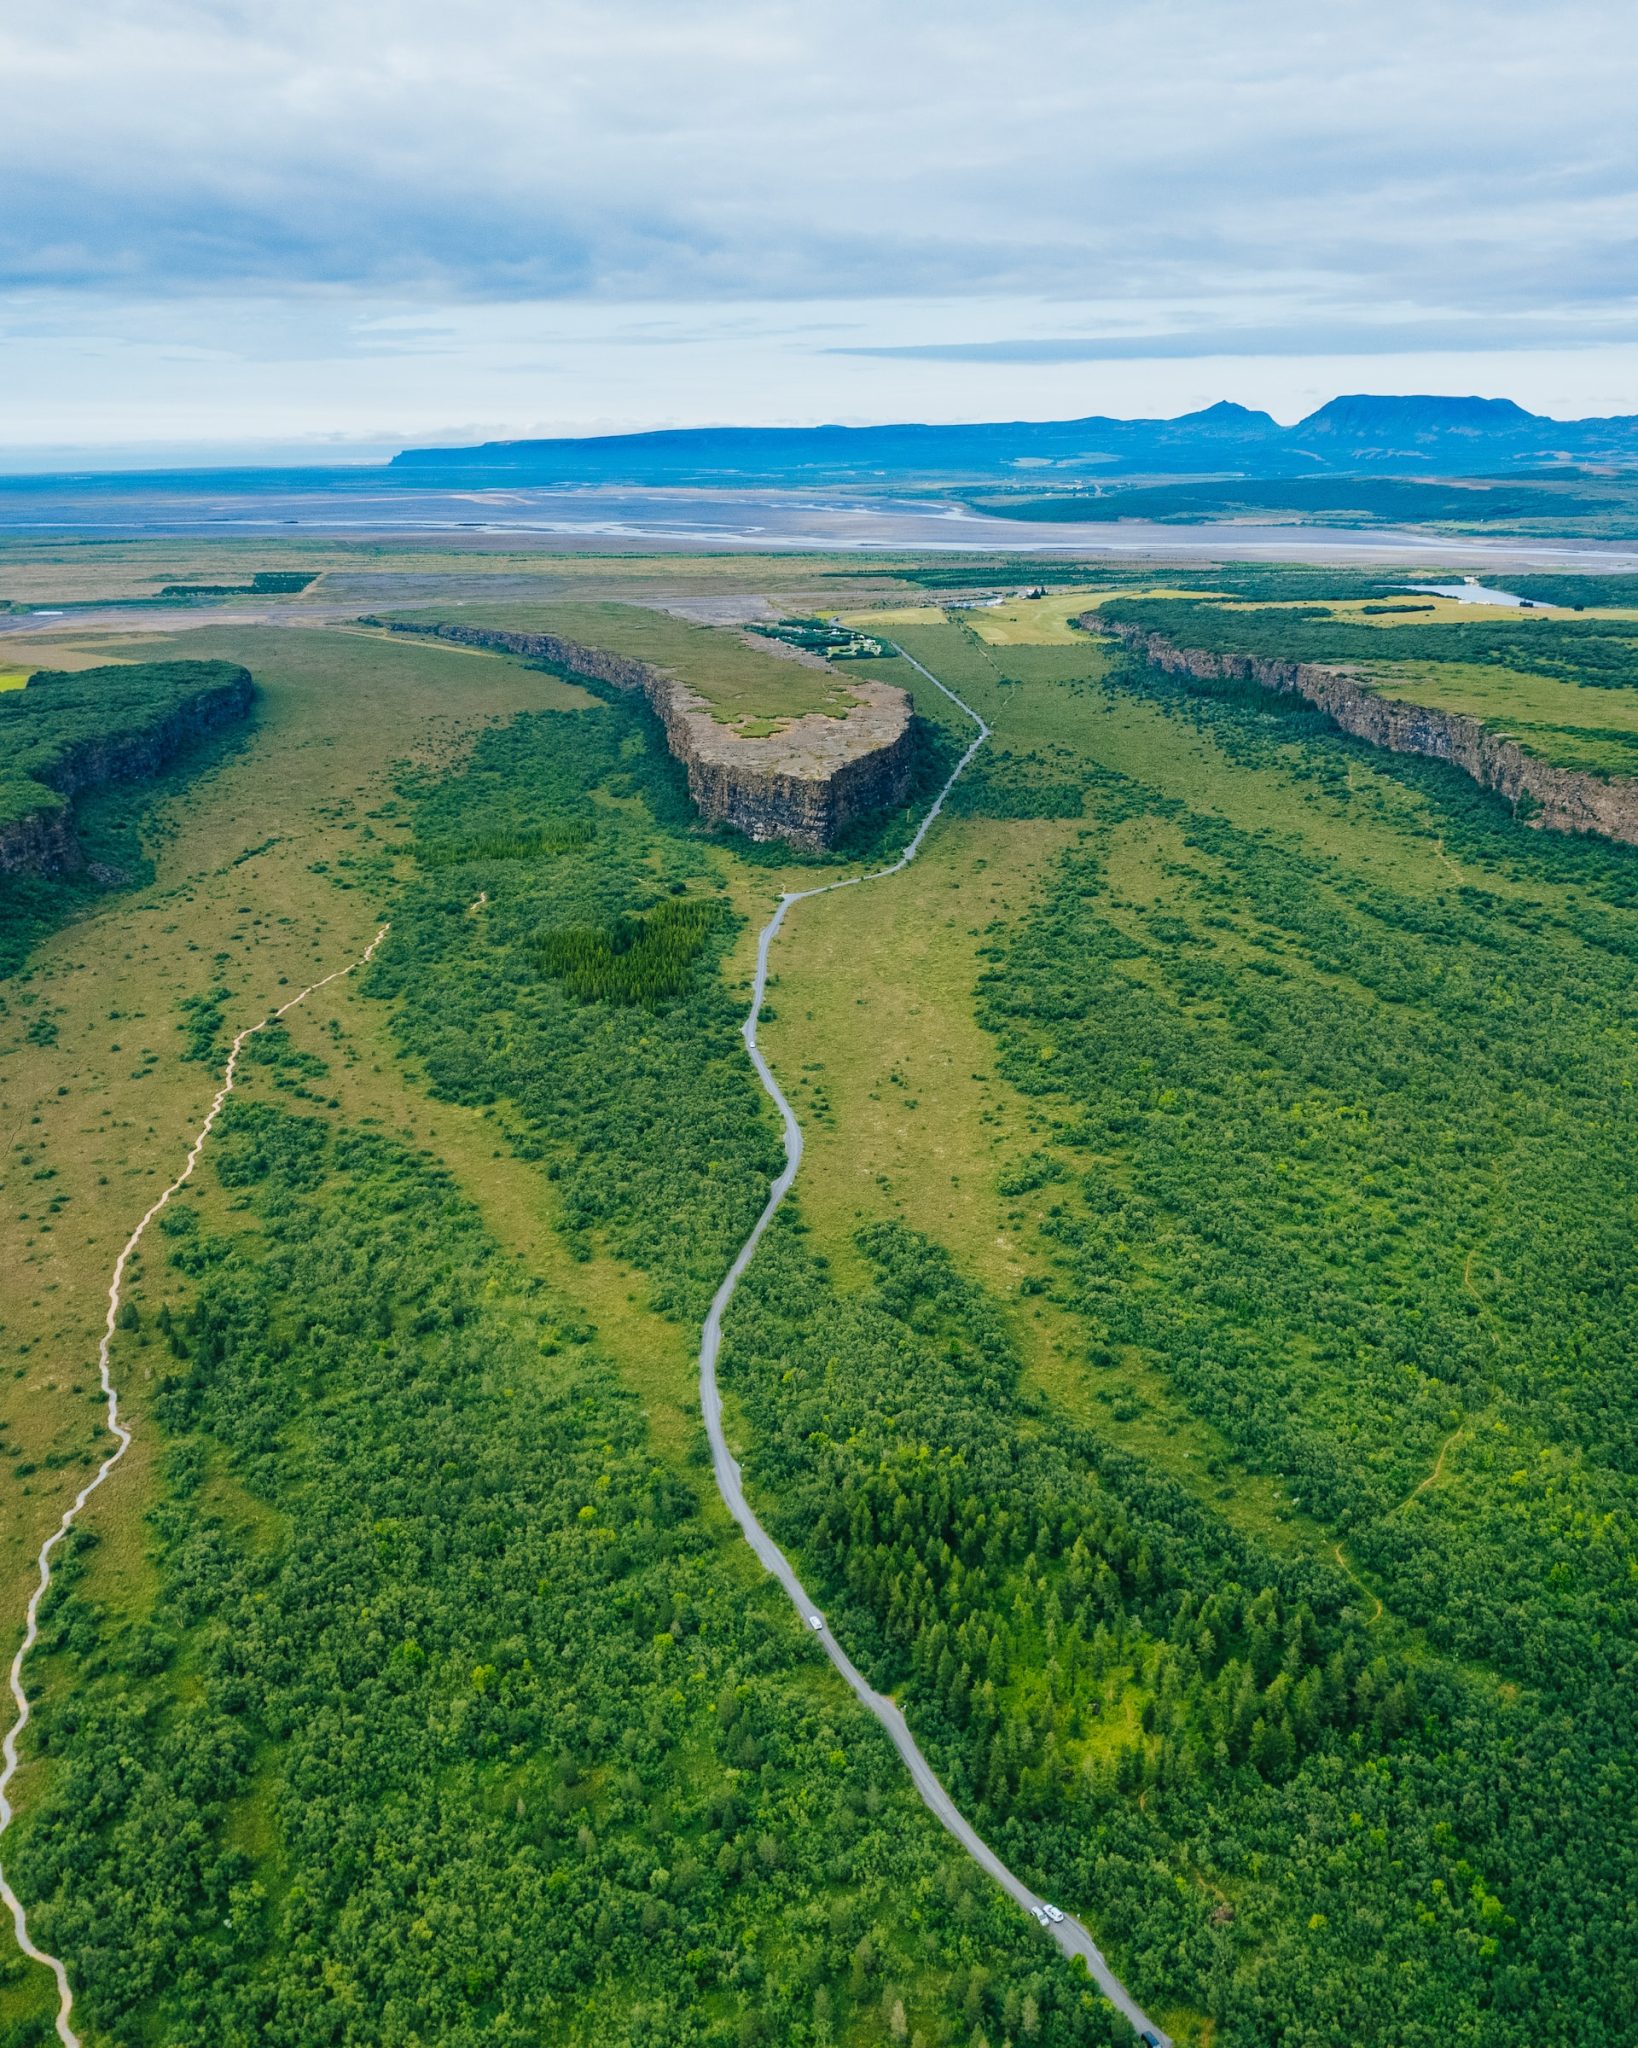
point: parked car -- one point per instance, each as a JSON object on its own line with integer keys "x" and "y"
{"x": 1053, "y": 1915}
{"x": 816, "y": 1624}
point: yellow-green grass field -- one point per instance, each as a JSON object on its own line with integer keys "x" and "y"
{"x": 1018, "y": 621}
{"x": 1046, "y": 621}
{"x": 1557, "y": 720}
{"x": 27, "y": 656}
{"x": 874, "y": 1035}
{"x": 252, "y": 894}
{"x": 745, "y": 681}
{"x": 55, "y": 571}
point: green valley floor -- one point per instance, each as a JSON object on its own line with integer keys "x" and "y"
{"x": 1191, "y": 1369}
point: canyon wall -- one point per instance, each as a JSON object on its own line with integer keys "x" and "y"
{"x": 807, "y": 784}
{"x": 43, "y": 840}
{"x": 1562, "y": 799}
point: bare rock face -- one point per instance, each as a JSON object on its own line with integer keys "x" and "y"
{"x": 40, "y": 842}
{"x": 1561, "y": 799}
{"x": 44, "y": 841}
{"x": 806, "y": 784}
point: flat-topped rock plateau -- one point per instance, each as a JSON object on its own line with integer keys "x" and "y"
{"x": 807, "y": 782}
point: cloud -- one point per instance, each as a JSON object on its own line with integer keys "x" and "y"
{"x": 756, "y": 149}
{"x": 415, "y": 218}
{"x": 1299, "y": 334}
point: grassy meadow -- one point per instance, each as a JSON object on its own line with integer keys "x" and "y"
{"x": 272, "y": 864}
{"x": 746, "y": 682}
{"x": 1556, "y": 678}
{"x": 1191, "y": 1369}
{"x": 243, "y": 908}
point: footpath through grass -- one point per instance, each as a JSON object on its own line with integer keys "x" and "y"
{"x": 1216, "y": 1156}
{"x": 452, "y": 1707}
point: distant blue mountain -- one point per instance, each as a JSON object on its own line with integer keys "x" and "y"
{"x": 1426, "y": 436}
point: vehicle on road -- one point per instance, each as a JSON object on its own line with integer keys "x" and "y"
{"x": 1053, "y": 1915}
{"x": 1040, "y": 1913}
{"x": 816, "y": 1624}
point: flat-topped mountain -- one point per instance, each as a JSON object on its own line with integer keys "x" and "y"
{"x": 779, "y": 750}
{"x": 1419, "y": 435}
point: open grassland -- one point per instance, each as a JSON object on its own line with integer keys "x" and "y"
{"x": 243, "y": 907}
{"x": 1047, "y": 621}
{"x": 88, "y": 651}
{"x": 59, "y": 571}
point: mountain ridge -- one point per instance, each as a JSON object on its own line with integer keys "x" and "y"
{"x": 1419, "y": 434}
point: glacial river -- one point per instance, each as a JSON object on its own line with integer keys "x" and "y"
{"x": 606, "y": 518}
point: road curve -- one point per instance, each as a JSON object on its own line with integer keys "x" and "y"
{"x": 19, "y": 1916}
{"x": 1068, "y": 1932}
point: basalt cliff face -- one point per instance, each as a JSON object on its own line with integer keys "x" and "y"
{"x": 806, "y": 784}
{"x": 43, "y": 840}
{"x": 1561, "y": 799}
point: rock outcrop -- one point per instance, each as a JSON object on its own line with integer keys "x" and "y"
{"x": 1561, "y": 799}
{"x": 808, "y": 783}
{"x": 42, "y": 840}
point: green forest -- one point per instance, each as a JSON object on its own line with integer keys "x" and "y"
{"x": 82, "y": 756}
{"x": 454, "y": 1711}
{"x": 60, "y": 713}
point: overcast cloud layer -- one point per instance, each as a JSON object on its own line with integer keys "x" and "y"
{"x": 1182, "y": 181}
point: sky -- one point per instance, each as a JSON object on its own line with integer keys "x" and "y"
{"x": 234, "y": 231}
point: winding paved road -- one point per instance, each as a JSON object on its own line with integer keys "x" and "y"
{"x": 31, "y": 1633}
{"x": 1068, "y": 1932}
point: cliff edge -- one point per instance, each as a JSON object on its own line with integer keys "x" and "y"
{"x": 807, "y": 783}
{"x": 1561, "y": 799}
{"x": 65, "y": 734}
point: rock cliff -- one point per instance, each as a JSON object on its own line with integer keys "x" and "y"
{"x": 42, "y": 839}
{"x": 1562, "y": 799}
{"x": 807, "y": 783}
